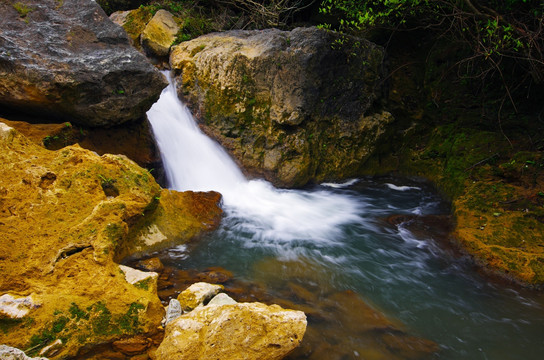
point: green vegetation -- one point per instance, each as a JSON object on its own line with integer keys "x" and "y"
{"x": 496, "y": 37}
{"x": 22, "y": 9}
{"x": 143, "y": 284}
{"x": 129, "y": 322}
{"x": 97, "y": 320}
{"x": 76, "y": 313}
{"x": 108, "y": 185}
{"x": 115, "y": 233}
{"x": 8, "y": 323}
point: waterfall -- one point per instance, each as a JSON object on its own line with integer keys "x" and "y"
{"x": 193, "y": 161}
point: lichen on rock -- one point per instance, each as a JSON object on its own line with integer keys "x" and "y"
{"x": 76, "y": 210}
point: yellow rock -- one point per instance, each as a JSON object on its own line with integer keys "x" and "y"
{"x": 66, "y": 218}
{"x": 232, "y": 332}
{"x": 159, "y": 33}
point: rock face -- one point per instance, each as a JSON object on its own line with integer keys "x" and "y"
{"x": 67, "y": 60}
{"x": 159, "y": 34}
{"x": 67, "y": 217}
{"x": 232, "y": 332}
{"x": 290, "y": 106}
{"x": 173, "y": 311}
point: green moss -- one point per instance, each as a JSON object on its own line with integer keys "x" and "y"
{"x": 144, "y": 284}
{"x": 197, "y": 49}
{"x": 58, "y": 328}
{"x": 97, "y": 320}
{"x": 115, "y": 233}
{"x": 7, "y": 323}
{"x": 130, "y": 322}
{"x": 101, "y": 320}
{"x": 77, "y": 314}
{"x": 137, "y": 20}
{"x": 59, "y": 324}
{"x": 38, "y": 341}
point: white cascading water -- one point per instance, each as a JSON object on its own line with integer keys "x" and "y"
{"x": 195, "y": 162}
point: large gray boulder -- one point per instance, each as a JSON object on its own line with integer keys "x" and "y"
{"x": 67, "y": 60}
{"x": 290, "y": 106}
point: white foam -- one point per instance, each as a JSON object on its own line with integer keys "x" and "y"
{"x": 194, "y": 162}
{"x": 401, "y": 188}
{"x": 340, "y": 185}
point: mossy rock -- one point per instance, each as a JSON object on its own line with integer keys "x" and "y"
{"x": 76, "y": 229}
{"x": 271, "y": 99}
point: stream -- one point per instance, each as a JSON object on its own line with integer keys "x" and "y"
{"x": 367, "y": 259}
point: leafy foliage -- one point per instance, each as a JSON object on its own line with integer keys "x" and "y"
{"x": 498, "y": 36}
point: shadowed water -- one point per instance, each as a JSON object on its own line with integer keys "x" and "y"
{"x": 328, "y": 247}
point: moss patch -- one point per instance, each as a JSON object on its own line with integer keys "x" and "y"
{"x": 96, "y": 321}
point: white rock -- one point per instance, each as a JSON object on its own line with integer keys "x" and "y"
{"x": 132, "y": 276}
{"x": 11, "y": 353}
{"x": 16, "y": 307}
{"x": 221, "y": 299}
{"x": 51, "y": 349}
{"x": 5, "y": 131}
{"x": 173, "y": 311}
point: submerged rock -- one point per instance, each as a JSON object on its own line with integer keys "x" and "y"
{"x": 342, "y": 325}
{"x": 290, "y": 106}
{"x": 68, "y": 61}
{"x": 232, "y": 332}
{"x": 151, "y": 264}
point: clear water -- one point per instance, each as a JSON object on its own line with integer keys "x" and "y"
{"x": 333, "y": 237}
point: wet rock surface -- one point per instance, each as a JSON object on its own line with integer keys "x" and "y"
{"x": 67, "y": 61}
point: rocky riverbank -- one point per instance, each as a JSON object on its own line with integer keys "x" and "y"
{"x": 295, "y": 107}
